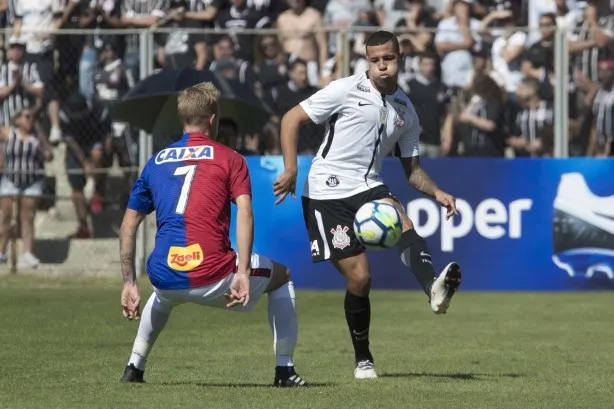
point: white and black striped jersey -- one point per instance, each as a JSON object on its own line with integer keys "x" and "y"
{"x": 586, "y": 61}
{"x": 363, "y": 126}
{"x": 603, "y": 112}
{"x": 133, "y": 8}
{"x": 19, "y": 98}
{"x": 23, "y": 161}
{"x": 530, "y": 121}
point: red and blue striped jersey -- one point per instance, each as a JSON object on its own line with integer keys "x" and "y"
{"x": 190, "y": 185}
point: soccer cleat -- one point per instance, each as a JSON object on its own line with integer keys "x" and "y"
{"x": 444, "y": 287}
{"x": 28, "y": 260}
{"x": 365, "y": 370}
{"x": 286, "y": 377}
{"x": 583, "y": 229}
{"x": 132, "y": 375}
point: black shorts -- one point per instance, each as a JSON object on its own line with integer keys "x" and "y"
{"x": 330, "y": 224}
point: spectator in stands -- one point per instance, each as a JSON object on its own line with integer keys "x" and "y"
{"x": 284, "y": 97}
{"x": 455, "y": 39}
{"x": 340, "y": 14}
{"x": 589, "y": 41}
{"x": 602, "y": 133}
{"x": 507, "y": 52}
{"x": 180, "y": 48}
{"x": 229, "y": 66}
{"x": 86, "y": 126}
{"x": 366, "y": 18}
{"x": 538, "y": 61}
{"x": 110, "y": 84}
{"x": 203, "y": 13}
{"x": 417, "y": 25}
{"x": 270, "y": 63}
{"x": 238, "y": 17}
{"x": 140, "y": 14}
{"x": 106, "y": 16}
{"x": 431, "y": 100}
{"x": 20, "y": 84}
{"x": 483, "y": 120}
{"x": 300, "y": 36}
{"x": 35, "y": 22}
{"x": 534, "y": 117}
{"x": 24, "y": 152}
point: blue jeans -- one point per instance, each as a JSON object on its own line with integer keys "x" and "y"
{"x": 89, "y": 61}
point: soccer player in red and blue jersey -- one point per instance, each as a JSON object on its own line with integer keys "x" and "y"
{"x": 190, "y": 185}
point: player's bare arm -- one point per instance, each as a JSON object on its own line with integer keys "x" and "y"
{"x": 131, "y": 298}
{"x": 290, "y": 125}
{"x": 239, "y": 289}
{"x": 421, "y": 180}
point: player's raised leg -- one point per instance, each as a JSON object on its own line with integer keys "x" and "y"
{"x": 358, "y": 311}
{"x": 416, "y": 256}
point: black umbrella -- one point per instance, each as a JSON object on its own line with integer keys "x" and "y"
{"x": 151, "y": 105}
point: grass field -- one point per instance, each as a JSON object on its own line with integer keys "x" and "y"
{"x": 63, "y": 344}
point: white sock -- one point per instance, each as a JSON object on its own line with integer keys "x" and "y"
{"x": 153, "y": 319}
{"x": 284, "y": 324}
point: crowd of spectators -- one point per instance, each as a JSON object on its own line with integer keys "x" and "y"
{"x": 481, "y": 86}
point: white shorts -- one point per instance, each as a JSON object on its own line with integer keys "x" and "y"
{"x": 8, "y": 188}
{"x": 212, "y": 295}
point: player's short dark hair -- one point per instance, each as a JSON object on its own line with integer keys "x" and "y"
{"x": 531, "y": 82}
{"x": 293, "y": 62}
{"x": 383, "y": 37}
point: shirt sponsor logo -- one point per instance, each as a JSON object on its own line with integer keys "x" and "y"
{"x": 362, "y": 88}
{"x": 188, "y": 153}
{"x": 185, "y": 258}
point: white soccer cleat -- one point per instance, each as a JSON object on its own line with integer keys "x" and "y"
{"x": 365, "y": 370}
{"x": 444, "y": 287}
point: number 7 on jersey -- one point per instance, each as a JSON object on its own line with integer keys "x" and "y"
{"x": 188, "y": 173}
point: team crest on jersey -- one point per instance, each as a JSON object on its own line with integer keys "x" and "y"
{"x": 185, "y": 258}
{"x": 341, "y": 239}
{"x": 167, "y": 155}
{"x": 332, "y": 181}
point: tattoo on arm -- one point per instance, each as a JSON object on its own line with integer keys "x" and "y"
{"x": 127, "y": 245}
{"x": 419, "y": 179}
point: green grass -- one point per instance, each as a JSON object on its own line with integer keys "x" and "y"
{"x": 63, "y": 344}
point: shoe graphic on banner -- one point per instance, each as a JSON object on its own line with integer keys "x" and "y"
{"x": 583, "y": 229}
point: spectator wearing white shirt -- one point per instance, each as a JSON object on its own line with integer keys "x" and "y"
{"x": 507, "y": 51}
{"x": 455, "y": 39}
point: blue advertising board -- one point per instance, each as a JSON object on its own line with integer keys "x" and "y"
{"x": 507, "y": 236}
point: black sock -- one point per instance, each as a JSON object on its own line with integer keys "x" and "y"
{"x": 358, "y": 317}
{"x": 416, "y": 256}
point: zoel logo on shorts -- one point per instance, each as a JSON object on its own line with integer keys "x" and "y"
{"x": 185, "y": 258}
{"x": 341, "y": 239}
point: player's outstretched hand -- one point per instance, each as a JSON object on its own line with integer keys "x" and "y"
{"x": 285, "y": 183}
{"x": 131, "y": 301}
{"x": 239, "y": 289}
{"x": 448, "y": 201}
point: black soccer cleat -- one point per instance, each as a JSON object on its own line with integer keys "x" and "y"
{"x": 286, "y": 377}
{"x": 132, "y": 375}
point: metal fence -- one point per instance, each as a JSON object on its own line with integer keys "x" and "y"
{"x": 75, "y": 61}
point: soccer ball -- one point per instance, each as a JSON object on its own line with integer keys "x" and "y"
{"x": 378, "y": 225}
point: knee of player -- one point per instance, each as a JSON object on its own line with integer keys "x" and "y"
{"x": 360, "y": 281}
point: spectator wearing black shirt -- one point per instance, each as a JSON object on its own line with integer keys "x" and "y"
{"x": 482, "y": 121}
{"x": 85, "y": 125}
{"x": 106, "y": 15}
{"x": 431, "y": 100}
{"x": 270, "y": 63}
{"x": 285, "y": 96}
{"x": 178, "y": 48}
{"x": 533, "y": 121}
{"x": 229, "y": 66}
{"x": 203, "y": 13}
{"x": 237, "y": 18}
{"x": 602, "y": 133}
{"x": 544, "y": 47}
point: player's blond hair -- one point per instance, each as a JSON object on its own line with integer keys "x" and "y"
{"x": 196, "y": 104}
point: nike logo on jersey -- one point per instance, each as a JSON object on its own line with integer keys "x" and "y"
{"x": 362, "y": 104}
{"x": 188, "y": 153}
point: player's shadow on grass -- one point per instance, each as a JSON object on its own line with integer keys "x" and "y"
{"x": 455, "y": 376}
{"x": 242, "y": 384}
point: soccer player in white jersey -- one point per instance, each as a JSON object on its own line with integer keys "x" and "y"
{"x": 367, "y": 117}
